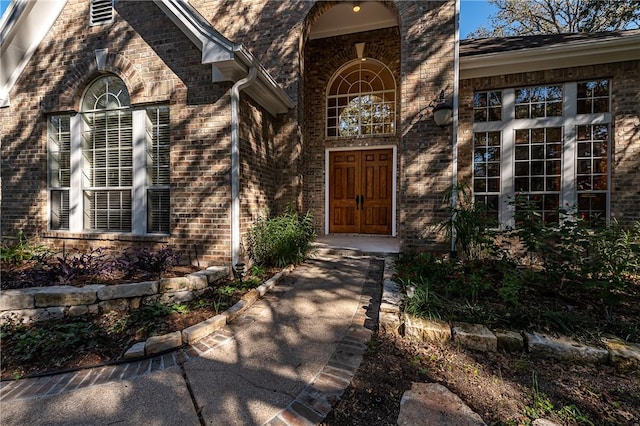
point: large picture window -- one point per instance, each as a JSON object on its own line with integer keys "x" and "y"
{"x": 550, "y": 145}
{"x": 94, "y": 160}
{"x": 361, "y": 100}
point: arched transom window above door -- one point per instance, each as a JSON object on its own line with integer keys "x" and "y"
{"x": 361, "y": 100}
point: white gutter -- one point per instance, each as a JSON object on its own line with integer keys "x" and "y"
{"x": 235, "y": 162}
{"x": 229, "y": 61}
{"x": 456, "y": 90}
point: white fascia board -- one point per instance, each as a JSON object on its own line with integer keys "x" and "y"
{"x": 22, "y": 29}
{"x": 229, "y": 61}
{"x": 543, "y": 58}
{"x": 213, "y": 45}
{"x": 277, "y": 99}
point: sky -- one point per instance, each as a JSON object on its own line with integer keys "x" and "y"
{"x": 473, "y": 13}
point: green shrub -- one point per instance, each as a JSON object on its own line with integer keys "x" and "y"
{"x": 469, "y": 224}
{"x": 23, "y": 250}
{"x": 281, "y": 240}
{"x": 580, "y": 251}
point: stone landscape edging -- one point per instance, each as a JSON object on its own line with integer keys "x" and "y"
{"x": 56, "y": 302}
{"x": 39, "y": 304}
{"x": 616, "y": 352}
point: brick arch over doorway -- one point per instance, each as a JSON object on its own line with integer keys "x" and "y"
{"x": 333, "y": 201}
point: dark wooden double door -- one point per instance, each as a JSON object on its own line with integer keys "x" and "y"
{"x": 360, "y": 191}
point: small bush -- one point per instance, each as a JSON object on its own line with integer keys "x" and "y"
{"x": 23, "y": 250}
{"x": 469, "y": 224}
{"x": 155, "y": 263}
{"x": 281, "y": 240}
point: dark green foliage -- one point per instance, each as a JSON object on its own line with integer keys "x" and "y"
{"x": 60, "y": 338}
{"x": 281, "y": 240}
{"x": 22, "y": 250}
{"x": 469, "y": 223}
{"x": 578, "y": 276}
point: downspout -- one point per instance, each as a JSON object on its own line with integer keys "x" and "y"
{"x": 235, "y": 161}
{"x": 456, "y": 89}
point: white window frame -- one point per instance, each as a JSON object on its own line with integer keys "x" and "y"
{"x": 568, "y": 121}
{"x": 140, "y": 184}
{"x": 359, "y": 94}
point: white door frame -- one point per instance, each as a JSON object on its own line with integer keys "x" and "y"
{"x": 393, "y": 181}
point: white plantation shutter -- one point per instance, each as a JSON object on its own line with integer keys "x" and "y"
{"x": 101, "y": 11}
{"x": 107, "y": 156}
{"x": 158, "y": 172}
{"x": 59, "y": 163}
{"x": 108, "y": 166}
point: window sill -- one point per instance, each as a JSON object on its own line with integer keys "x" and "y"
{"x": 105, "y": 236}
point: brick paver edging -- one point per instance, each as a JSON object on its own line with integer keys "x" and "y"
{"x": 315, "y": 401}
{"x": 54, "y": 384}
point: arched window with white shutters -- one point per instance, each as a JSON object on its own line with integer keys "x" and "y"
{"x": 109, "y": 164}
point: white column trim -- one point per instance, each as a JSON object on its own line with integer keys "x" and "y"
{"x": 138, "y": 196}
{"x": 76, "y": 211}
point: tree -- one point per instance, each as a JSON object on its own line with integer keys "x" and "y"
{"x": 529, "y": 17}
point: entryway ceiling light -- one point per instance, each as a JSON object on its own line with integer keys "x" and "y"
{"x": 356, "y": 6}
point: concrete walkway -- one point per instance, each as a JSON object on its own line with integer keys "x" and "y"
{"x": 285, "y": 361}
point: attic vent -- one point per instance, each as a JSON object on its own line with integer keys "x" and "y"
{"x": 101, "y": 11}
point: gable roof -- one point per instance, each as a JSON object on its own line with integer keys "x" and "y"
{"x": 27, "y": 22}
{"x": 22, "y": 28}
{"x": 506, "y": 55}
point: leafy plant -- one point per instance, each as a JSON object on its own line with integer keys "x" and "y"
{"x": 33, "y": 342}
{"x": 78, "y": 265}
{"x": 155, "y": 263}
{"x": 424, "y": 302}
{"x": 23, "y": 250}
{"x": 512, "y": 283}
{"x": 468, "y": 223}
{"x": 281, "y": 240}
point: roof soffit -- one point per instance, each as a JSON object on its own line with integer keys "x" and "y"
{"x": 22, "y": 29}
{"x": 229, "y": 61}
{"x": 562, "y": 55}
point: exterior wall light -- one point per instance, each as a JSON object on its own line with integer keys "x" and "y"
{"x": 442, "y": 111}
{"x": 356, "y": 6}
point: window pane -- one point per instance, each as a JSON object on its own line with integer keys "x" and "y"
{"x": 593, "y": 97}
{"x": 59, "y": 210}
{"x": 487, "y": 106}
{"x": 366, "y": 104}
{"x": 539, "y": 102}
{"x": 158, "y": 211}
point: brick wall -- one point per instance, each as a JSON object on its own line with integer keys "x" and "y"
{"x": 158, "y": 64}
{"x": 284, "y": 154}
{"x": 625, "y": 91}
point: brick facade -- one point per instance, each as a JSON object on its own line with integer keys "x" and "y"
{"x": 282, "y": 158}
{"x": 625, "y": 125}
{"x": 159, "y": 64}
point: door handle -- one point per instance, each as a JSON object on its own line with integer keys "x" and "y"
{"x": 357, "y": 202}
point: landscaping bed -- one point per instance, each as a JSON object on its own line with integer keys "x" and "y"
{"x": 74, "y": 342}
{"x": 504, "y": 389}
